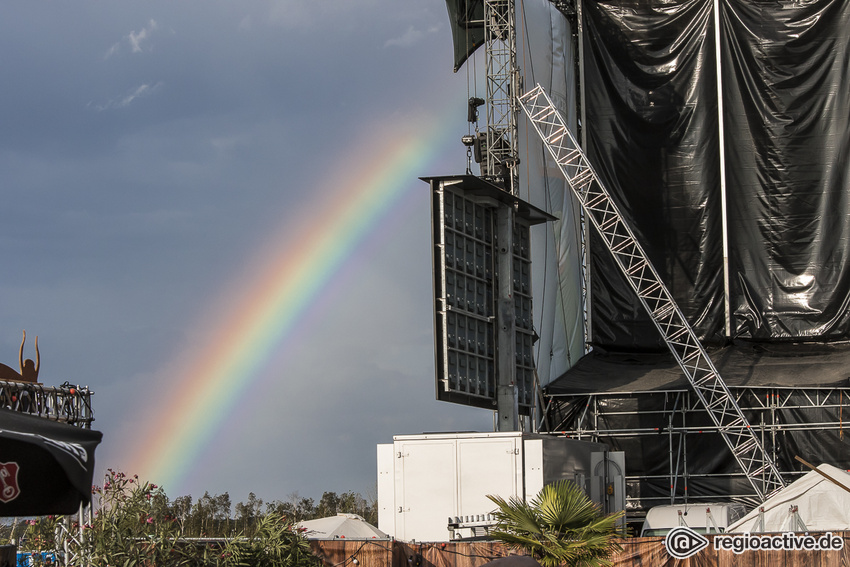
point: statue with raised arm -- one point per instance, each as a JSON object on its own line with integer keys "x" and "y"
{"x": 29, "y": 369}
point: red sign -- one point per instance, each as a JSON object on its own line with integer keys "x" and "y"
{"x": 9, "y": 489}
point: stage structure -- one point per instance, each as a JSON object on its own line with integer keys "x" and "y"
{"x": 696, "y": 365}
{"x": 721, "y": 129}
{"x": 506, "y": 161}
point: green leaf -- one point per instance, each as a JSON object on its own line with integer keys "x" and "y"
{"x": 560, "y": 525}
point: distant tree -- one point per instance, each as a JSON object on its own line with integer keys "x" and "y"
{"x": 295, "y": 508}
{"x": 352, "y": 503}
{"x": 372, "y": 505}
{"x": 248, "y": 513}
{"x": 280, "y": 508}
{"x": 328, "y": 505}
{"x": 306, "y": 508}
{"x": 221, "y": 513}
{"x": 181, "y": 509}
{"x": 203, "y": 514}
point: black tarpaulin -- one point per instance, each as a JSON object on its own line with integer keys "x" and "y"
{"x": 742, "y": 364}
{"x": 653, "y": 139}
{"x": 652, "y": 83}
{"x": 786, "y": 85}
{"x": 466, "y": 18}
{"x": 46, "y": 467}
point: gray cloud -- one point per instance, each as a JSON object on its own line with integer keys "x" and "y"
{"x": 127, "y": 99}
{"x": 411, "y": 37}
{"x": 137, "y": 185}
{"x": 137, "y": 38}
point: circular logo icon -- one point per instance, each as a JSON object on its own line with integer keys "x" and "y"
{"x": 682, "y": 542}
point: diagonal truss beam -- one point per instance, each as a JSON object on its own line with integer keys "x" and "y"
{"x": 653, "y": 294}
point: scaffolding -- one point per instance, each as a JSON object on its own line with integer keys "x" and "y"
{"x": 651, "y": 424}
{"x": 502, "y": 86}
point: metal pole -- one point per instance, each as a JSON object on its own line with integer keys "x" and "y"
{"x": 506, "y": 391}
{"x": 684, "y": 438}
{"x": 66, "y": 549}
{"x": 722, "y": 150}
{"x": 670, "y": 455}
{"x": 585, "y": 233}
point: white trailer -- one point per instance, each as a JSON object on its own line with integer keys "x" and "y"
{"x": 434, "y": 487}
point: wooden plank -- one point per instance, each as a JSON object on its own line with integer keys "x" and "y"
{"x": 370, "y": 553}
{"x": 637, "y": 552}
{"x": 642, "y": 551}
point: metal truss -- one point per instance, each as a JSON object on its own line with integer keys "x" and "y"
{"x": 694, "y": 361}
{"x": 75, "y": 548}
{"x": 68, "y": 404}
{"x": 762, "y": 401}
{"x": 677, "y": 416}
{"x": 502, "y": 87}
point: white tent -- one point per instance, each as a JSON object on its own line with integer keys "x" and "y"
{"x": 821, "y": 505}
{"x": 342, "y": 526}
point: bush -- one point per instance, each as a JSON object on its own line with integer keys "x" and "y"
{"x": 133, "y": 527}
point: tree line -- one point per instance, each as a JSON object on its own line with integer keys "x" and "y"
{"x": 134, "y": 523}
{"x": 216, "y": 516}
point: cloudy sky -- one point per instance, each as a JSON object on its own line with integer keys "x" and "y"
{"x": 157, "y": 158}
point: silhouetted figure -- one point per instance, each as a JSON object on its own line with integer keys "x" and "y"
{"x": 29, "y": 369}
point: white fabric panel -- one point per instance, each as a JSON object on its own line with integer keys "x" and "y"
{"x": 822, "y": 505}
{"x": 545, "y": 56}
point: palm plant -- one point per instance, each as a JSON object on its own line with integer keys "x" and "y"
{"x": 560, "y": 526}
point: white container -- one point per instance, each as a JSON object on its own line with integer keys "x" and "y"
{"x": 426, "y": 481}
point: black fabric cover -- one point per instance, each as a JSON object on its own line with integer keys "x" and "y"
{"x": 653, "y": 136}
{"x": 743, "y": 364}
{"x": 652, "y": 82}
{"x": 54, "y": 463}
{"x": 466, "y": 18}
{"x": 787, "y": 118}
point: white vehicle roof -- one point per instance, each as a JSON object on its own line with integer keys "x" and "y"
{"x": 702, "y": 517}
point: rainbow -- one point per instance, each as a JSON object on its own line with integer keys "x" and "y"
{"x": 276, "y": 294}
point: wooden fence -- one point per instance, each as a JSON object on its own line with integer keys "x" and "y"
{"x": 383, "y": 553}
{"x": 637, "y": 552}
